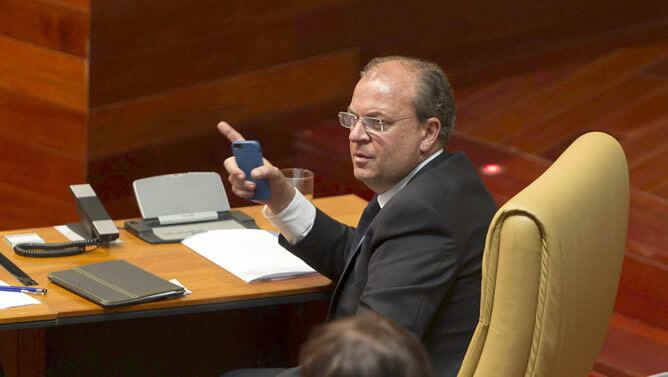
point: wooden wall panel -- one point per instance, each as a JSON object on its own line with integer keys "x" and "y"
{"x": 43, "y": 106}
{"x": 156, "y": 41}
{"x": 648, "y": 228}
{"x": 43, "y": 149}
{"x": 51, "y": 24}
{"x": 631, "y": 348}
{"x": 579, "y": 86}
{"x": 178, "y": 114}
{"x": 25, "y": 209}
{"x": 647, "y": 174}
{"x": 641, "y": 142}
{"x": 8, "y": 353}
{"x": 640, "y": 111}
{"x": 38, "y": 171}
{"x": 179, "y": 43}
{"x": 566, "y": 126}
{"x": 642, "y": 292}
{"x": 498, "y": 97}
{"x": 45, "y": 74}
{"x": 42, "y": 125}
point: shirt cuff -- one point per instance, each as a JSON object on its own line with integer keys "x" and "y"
{"x": 295, "y": 221}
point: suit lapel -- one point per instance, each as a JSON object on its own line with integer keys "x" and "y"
{"x": 344, "y": 274}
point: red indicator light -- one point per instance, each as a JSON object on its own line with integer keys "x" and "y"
{"x": 491, "y": 169}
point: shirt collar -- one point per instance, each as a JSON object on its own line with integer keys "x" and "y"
{"x": 387, "y": 195}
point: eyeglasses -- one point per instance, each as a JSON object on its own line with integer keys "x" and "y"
{"x": 370, "y": 124}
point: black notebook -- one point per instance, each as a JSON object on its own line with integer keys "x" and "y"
{"x": 115, "y": 283}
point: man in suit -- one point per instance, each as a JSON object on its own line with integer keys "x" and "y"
{"x": 416, "y": 255}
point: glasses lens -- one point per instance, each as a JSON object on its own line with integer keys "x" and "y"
{"x": 347, "y": 120}
{"x": 372, "y": 124}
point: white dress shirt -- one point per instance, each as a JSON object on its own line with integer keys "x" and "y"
{"x": 296, "y": 220}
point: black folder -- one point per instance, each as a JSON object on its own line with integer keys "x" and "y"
{"x": 115, "y": 283}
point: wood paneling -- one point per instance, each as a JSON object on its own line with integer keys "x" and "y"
{"x": 648, "y": 156}
{"x": 32, "y": 360}
{"x": 154, "y": 42}
{"x": 43, "y": 106}
{"x": 196, "y": 110}
{"x": 642, "y": 292}
{"x": 589, "y": 81}
{"x": 42, "y": 126}
{"x": 648, "y": 228}
{"x": 8, "y": 352}
{"x": 647, "y": 174}
{"x": 200, "y": 42}
{"x": 498, "y": 97}
{"x": 660, "y": 69}
{"x": 45, "y": 74}
{"x": 50, "y": 24}
{"x": 641, "y": 142}
{"x": 569, "y": 123}
{"x": 38, "y": 171}
{"x": 639, "y": 112}
{"x": 633, "y": 349}
{"x": 24, "y": 208}
{"x": 662, "y": 190}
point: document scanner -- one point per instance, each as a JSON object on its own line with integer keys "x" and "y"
{"x": 176, "y": 206}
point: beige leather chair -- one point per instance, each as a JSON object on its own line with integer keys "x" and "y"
{"x": 551, "y": 267}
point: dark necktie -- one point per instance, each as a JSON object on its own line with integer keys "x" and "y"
{"x": 369, "y": 213}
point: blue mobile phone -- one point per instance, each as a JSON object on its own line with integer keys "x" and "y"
{"x": 248, "y": 154}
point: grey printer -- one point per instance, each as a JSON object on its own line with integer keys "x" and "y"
{"x": 176, "y": 206}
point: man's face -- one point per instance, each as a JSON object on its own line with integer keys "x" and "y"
{"x": 380, "y": 160}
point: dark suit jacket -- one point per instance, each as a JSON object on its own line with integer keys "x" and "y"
{"x": 420, "y": 261}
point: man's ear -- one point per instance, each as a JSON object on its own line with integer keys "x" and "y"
{"x": 430, "y": 134}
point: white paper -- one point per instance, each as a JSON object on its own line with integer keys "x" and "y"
{"x": 13, "y": 299}
{"x": 175, "y": 281}
{"x": 14, "y": 239}
{"x": 250, "y": 254}
{"x": 73, "y": 236}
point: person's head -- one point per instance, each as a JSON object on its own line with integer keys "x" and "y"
{"x": 415, "y": 103}
{"x": 364, "y": 345}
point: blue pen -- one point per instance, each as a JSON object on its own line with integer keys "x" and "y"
{"x": 31, "y": 290}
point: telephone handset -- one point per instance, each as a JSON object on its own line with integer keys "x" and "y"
{"x": 96, "y": 227}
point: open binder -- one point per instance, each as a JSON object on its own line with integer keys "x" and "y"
{"x": 115, "y": 283}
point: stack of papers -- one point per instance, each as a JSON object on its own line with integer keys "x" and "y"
{"x": 250, "y": 254}
{"x": 12, "y": 299}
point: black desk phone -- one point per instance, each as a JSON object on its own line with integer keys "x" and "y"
{"x": 96, "y": 227}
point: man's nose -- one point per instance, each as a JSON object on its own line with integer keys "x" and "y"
{"x": 358, "y": 132}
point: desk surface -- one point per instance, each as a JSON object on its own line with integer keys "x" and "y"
{"x": 213, "y": 287}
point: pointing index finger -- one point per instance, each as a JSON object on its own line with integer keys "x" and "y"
{"x": 230, "y": 133}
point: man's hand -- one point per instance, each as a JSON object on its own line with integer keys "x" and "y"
{"x": 282, "y": 192}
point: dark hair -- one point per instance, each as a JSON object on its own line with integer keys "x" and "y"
{"x": 364, "y": 345}
{"x": 433, "y": 93}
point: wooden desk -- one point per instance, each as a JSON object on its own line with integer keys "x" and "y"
{"x": 213, "y": 287}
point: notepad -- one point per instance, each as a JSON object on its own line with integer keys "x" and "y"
{"x": 115, "y": 283}
{"x": 13, "y": 299}
{"x": 250, "y": 254}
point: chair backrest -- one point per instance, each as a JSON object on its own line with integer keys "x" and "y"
{"x": 551, "y": 267}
